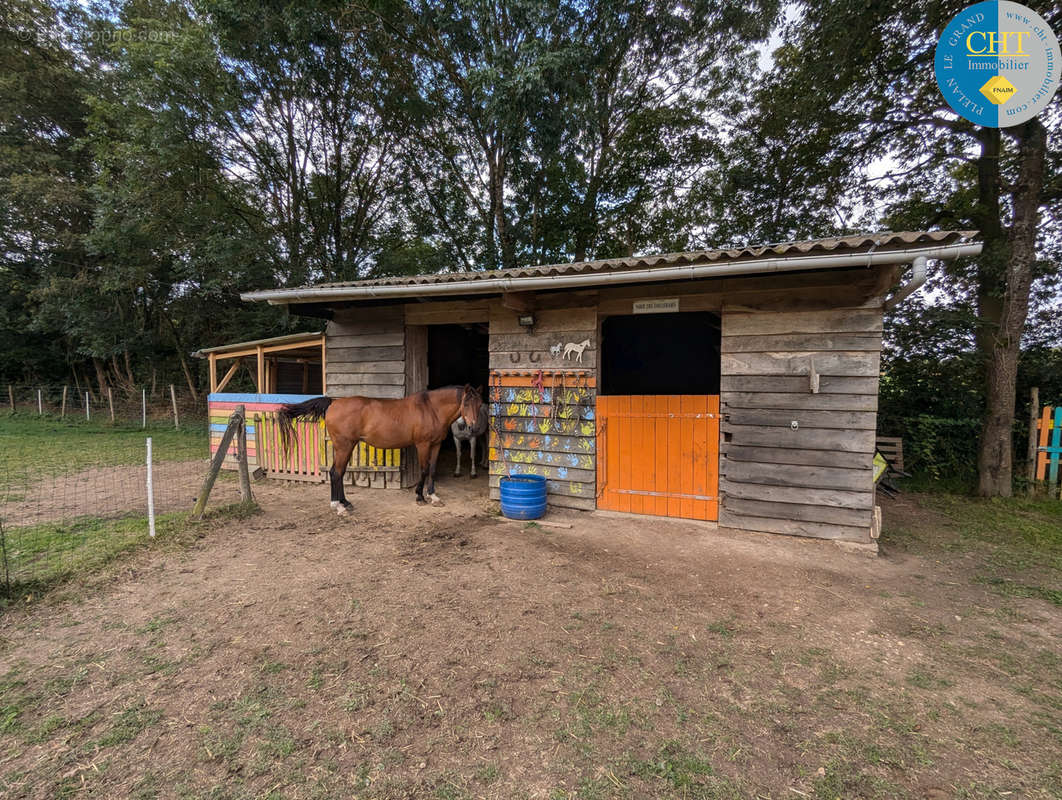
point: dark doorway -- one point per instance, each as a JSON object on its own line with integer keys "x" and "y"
{"x": 458, "y": 354}
{"x": 660, "y": 354}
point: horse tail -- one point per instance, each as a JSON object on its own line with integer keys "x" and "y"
{"x": 313, "y": 409}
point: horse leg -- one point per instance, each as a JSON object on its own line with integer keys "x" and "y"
{"x": 424, "y": 458}
{"x": 435, "y": 501}
{"x": 484, "y": 447}
{"x": 342, "y": 450}
{"x": 472, "y": 455}
{"x": 457, "y": 447}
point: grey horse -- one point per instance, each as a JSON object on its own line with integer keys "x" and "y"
{"x": 463, "y": 432}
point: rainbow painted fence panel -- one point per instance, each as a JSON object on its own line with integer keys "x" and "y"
{"x": 311, "y": 453}
{"x": 1049, "y": 445}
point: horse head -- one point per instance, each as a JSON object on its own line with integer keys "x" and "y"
{"x": 471, "y": 405}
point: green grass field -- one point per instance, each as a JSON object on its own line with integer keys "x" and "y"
{"x": 37, "y": 446}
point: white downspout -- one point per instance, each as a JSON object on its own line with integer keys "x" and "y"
{"x": 918, "y": 277}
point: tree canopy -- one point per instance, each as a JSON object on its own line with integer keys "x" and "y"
{"x": 157, "y": 157}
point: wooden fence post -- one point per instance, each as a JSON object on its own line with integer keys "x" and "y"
{"x": 62, "y": 409}
{"x": 110, "y": 402}
{"x": 241, "y": 457}
{"x": 11, "y": 396}
{"x": 40, "y": 403}
{"x": 1034, "y": 415}
{"x": 173, "y": 397}
{"x": 235, "y": 422}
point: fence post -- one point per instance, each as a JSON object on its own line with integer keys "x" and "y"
{"x": 143, "y": 408}
{"x": 173, "y": 397}
{"x": 62, "y": 409}
{"x": 235, "y": 422}
{"x": 150, "y": 493}
{"x": 110, "y": 402}
{"x": 40, "y": 404}
{"x": 11, "y": 396}
{"x": 88, "y": 415}
{"x": 241, "y": 457}
{"x": 1034, "y": 416}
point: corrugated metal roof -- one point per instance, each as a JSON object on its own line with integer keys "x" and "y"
{"x": 877, "y": 241}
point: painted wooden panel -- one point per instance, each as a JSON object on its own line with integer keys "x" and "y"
{"x": 311, "y": 453}
{"x": 547, "y": 429}
{"x": 658, "y": 454}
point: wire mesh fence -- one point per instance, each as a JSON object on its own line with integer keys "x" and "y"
{"x": 137, "y": 406}
{"x": 75, "y": 494}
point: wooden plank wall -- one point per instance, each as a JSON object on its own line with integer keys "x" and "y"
{"x": 815, "y": 479}
{"x": 527, "y": 434}
{"x": 365, "y": 352}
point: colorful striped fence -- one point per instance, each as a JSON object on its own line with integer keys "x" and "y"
{"x": 311, "y": 452}
{"x": 1049, "y": 445}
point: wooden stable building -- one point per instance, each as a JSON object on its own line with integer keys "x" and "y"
{"x": 739, "y": 386}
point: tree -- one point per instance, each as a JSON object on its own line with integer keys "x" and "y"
{"x": 857, "y": 84}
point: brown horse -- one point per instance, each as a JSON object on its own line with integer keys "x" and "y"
{"x": 422, "y": 419}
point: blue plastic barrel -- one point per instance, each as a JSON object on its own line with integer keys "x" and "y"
{"x": 523, "y": 496}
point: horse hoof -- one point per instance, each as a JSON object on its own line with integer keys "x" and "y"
{"x": 336, "y": 505}
{"x": 421, "y": 501}
{"x": 457, "y": 474}
{"x": 435, "y": 501}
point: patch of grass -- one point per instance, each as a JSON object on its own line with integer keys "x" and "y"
{"x": 41, "y": 556}
{"x": 24, "y": 437}
{"x": 1011, "y": 588}
{"x": 724, "y": 628}
{"x": 129, "y": 724}
{"x": 686, "y": 773}
{"x": 925, "y": 677}
{"x": 1023, "y": 532}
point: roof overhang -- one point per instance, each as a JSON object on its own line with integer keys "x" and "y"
{"x": 878, "y": 250}
{"x": 276, "y": 344}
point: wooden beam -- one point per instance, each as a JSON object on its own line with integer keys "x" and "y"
{"x": 261, "y": 369}
{"x": 522, "y": 302}
{"x": 213, "y": 373}
{"x": 324, "y": 367}
{"x": 228, "y": 376}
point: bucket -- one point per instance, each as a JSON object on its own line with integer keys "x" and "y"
{"x": 523, "y": 496}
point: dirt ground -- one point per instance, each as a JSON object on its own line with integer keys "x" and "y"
{"x": 442, "y": 652}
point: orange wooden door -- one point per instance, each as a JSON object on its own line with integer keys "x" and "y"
{"x": 659, "y": 454}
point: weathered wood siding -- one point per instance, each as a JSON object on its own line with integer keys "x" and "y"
{"x": 818, "y": 369}
{"x": 365, "y": 353}
{"x": 551, "y": 432}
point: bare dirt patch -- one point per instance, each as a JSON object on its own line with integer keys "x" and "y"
{"x": 440, "y": 652}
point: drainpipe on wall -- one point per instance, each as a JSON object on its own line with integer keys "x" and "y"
{"x": 918, "y": 277}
